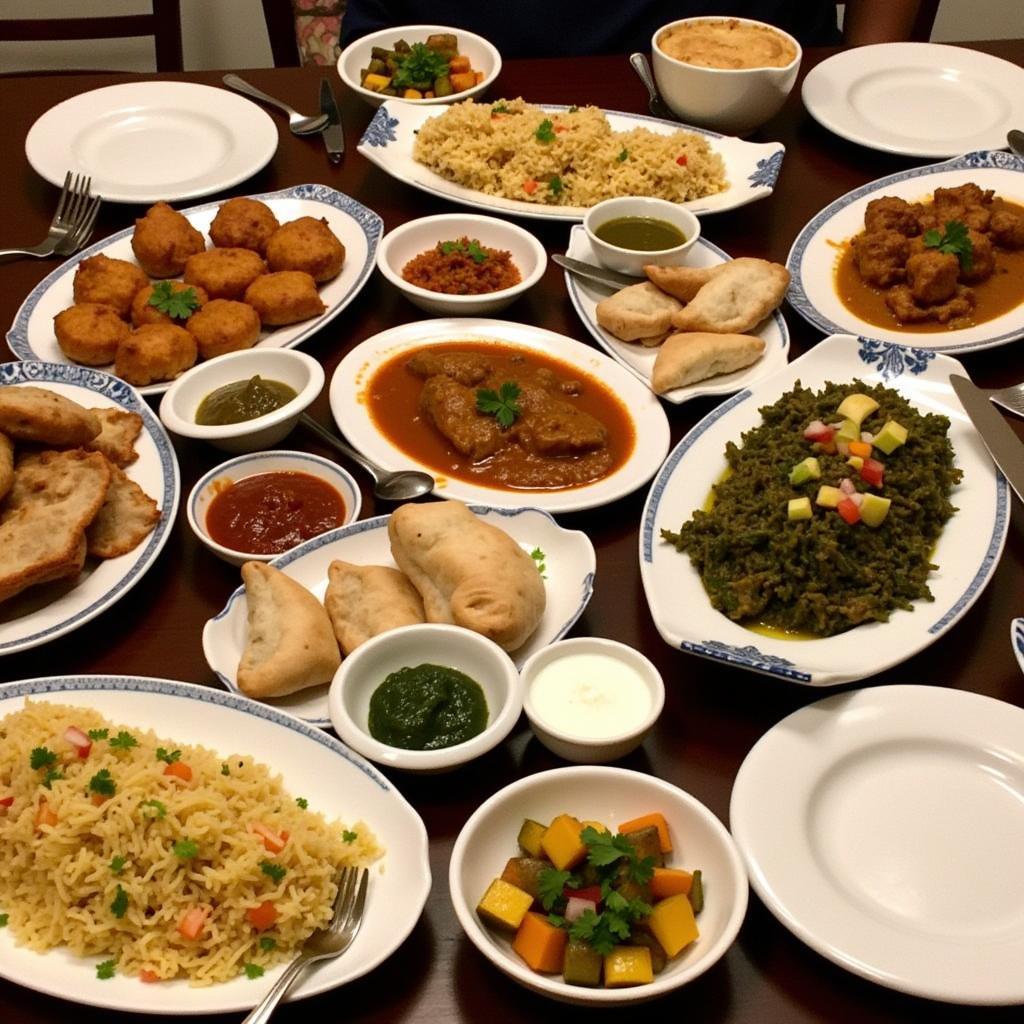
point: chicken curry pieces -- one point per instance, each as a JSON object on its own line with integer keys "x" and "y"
{"x": 500, "y": 416}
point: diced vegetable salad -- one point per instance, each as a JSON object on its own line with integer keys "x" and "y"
{"x": 595, "y": 906}
{"x": 420, "y": 71}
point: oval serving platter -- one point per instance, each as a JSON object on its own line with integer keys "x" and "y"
{"x": 967, "y": 552}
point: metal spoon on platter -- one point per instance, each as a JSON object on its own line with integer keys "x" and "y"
{"x": 1015, "y": 140}
{"x": 658, "y": 107}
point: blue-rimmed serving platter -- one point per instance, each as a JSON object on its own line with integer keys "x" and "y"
{"x": 44, "y": 613}
{"x": 359, "y": 229}
{"x": 966, "y": 554}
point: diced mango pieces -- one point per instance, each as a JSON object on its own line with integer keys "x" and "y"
{"x": 809, "y": 469}
{"x": 857, "y": 461}
{"x": 828, "y": 497}
{"x": 849, "y": 430}
{"x": 598, "y": 826}
{"x": 376, "y": 82}
{"x": 562, "y": 844}
{"x": 799, "y": 508}
{"x": 670, "y": 882}
{"x": 628, "y": 965}
{"x": 541, "y": 944}
{"x": 673, "y": 924}
{"x": 657, "y": 819}
{"x": 582, "y": 964}
{"x": 891, "y": 436}
{"x": 857, "y": 407}
{"x": 504, "y": 905}
{"x": 530, "y": 836}
{"x": 874, "y": 509}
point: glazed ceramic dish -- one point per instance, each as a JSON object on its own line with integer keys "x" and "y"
{"x": 967, "y": 552}
{"x": 882, "y": 827}
{"x": 331, "y": 777}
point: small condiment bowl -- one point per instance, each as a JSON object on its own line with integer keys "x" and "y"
{"x": 633, "y": 261}
{"x": 611, "y": 796}
{"x": 483, "y": 56}
{"x": 428, "y": 643}
{"x": 575, "y": 746}
{"x": 210, "y": 485}
{"x": 299, "y": 371}
{"x": 730, "y": 100}
{"x": 402, "y": 244}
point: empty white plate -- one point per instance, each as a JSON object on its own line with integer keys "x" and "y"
{"x": 884, "y": 826}
{"x": 145, "y": 141}
{"x": 918, "y": 99}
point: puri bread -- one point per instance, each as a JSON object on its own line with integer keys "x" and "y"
{"x": 285, "y": 297}
{"x": 736, "y": 299}
{"x": 28, "y": 413}
{"x": 144, "y": 313}
{"x": 126, "y": 517}
{"x": 681, "y": 282}
{"x": 309, "y": 245}
{"x": 119, "y": 430}
{"x": 163, "y": 240}
{"x": 6, "y": 465}
{"x": 687, "y": 358}
{"x": 291, "y": 643}
{"x": 467, "y": 571}
{"x": 638, "y": 311}
{"x": 155, "y": 352}
{"x": 243, "y": 223}
{"x": 224, "y": 273}
{"x": 224, "y": 325}
{"x": 110, "y": 282}
{"x": 364, "y": 600}
{"x": 89, "y": 333}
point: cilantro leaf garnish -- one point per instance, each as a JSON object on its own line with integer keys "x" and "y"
{"x": 500, "y": 404}
{"x": 545, "y": 131}
{"x": 185, "y": 849}
{"x": 224, "y": 769}
{"x": 98, "y": 734}
{"x": 169, "y": 756}
{"x": 419, "y": 68}
{"x": 4, "y": 918}
{"x": 267, "y": 943}
{"x": 574, "y": 109}
{"x": 158, "y": 808}
{"x": 955, "y": 240}
{"x": 272, "y": 870}
{"x": 178, "y": 304}
{"x": 106, "y": 970}
{"x": 102, "y": 783}
{"x": 555, "y": 186}
{"x": 604, "y": 849}
{"x": 623, "y": 156}
{"x": 253, "y": 971}
{"x": 539, "y": 559}
{"x": 41, "y": 757}
{"x": 117, "y": 864}
{"x": 124, "y": 741}
{"x": 475, "y": 252}
{"x": 551, "y": 885}
{"x": 349, "y": 837}
{"x": 499, "y": 108}
{"x": 120, "y": 903}
{"x": 302, "y": 802}
{"x": 51, "y": 777}
{"x": 464, "y": 247}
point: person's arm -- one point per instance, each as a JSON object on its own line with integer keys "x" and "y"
{"x": 878, "y": 21}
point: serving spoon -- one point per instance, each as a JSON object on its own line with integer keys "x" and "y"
{"x": 402, "y": 485}
{"x": 1015, "y": 140}
{"x": 658, "y": 107}
{"x": 299, "y": 124}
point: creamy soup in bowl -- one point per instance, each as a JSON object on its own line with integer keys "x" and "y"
{"x": 728, "y": 44}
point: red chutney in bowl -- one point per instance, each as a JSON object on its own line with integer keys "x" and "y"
{"x": 269, "y": 513}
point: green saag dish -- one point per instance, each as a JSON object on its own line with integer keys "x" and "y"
{"x": 823, "y": 522}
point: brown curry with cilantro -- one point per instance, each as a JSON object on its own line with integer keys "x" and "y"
{"x": 500, "y": 416}
{"x": 462, "y": 266}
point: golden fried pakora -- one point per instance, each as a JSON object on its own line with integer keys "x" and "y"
{"x": 110, "y": 282}
{"x": 144, "y": 312}
{"x": 155, "y": 352}
{"x": 224, "y": 273}
{"x": 163, "y": 240}
{"x": 243, "y": 223}
{"x": 285, "y": 297}
{"x": 223, "y": 325}
{"x": 89, "y": 333}
{"x": 306, "y": 244}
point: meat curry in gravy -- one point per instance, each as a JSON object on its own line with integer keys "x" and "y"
{"x": 952, "y": 263}
{"x": 561, "y": 428}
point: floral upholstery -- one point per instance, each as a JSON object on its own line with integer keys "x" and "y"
{"x": 317, "y": 29}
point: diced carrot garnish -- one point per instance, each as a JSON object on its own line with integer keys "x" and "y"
{"x": 458, "y": 64}
{"x": 861, "y": 448}
{"x": 179, "y": 770}
{"x": 45, "y": 815}
{"x": 192, "y": 921}
{"x": 97, "y": 799}
{"x": 273, "y": 841}
{"x": 670, "y": 882}
{"x": 646, "y": 820}
{"x": 479, "y": 76}
{"x": 6, "y": 801}
{"x": 262, "y": 917}
{"x": 462, "y": 81}
{"x": 682, "y": 160}
{"x": 530, "y": 186}
{"x": 148, "y": 976}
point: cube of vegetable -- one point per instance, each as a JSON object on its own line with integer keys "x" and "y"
{"x": 582, "y": 965}
{"x": 696, "y": 893}
{"x": 670, "y": 882}
{"x": 890, "y": 437}
{"x": 647, "y": 842}
{"x": 849, "y": 430}
{"x": 504, "y": 905}
{"x": 459, "y": 65}
{"x": 541, "y": 944}
{"x": 597, "y": 826}
{"x": 628, "y": 965}
{"x": 856, "y": 461}
{"x": 524, "y": 873}
{"x": 861, "y": 448}
{"x": 461, "y": 82}
{"x": 799, "y": 508}
{"x": 530, "y": 836}
{"x": 849, "y": 510}
{"x": 376, "y": 83}
{"x": 828, "y": 497}
{"x": 809, "y": 469}
{"x": 640, "y": 936}
{"x": 646, "y": 821}
{"x": 673, "y": 924}
{"x": 562, "y": 844}
{"x": 874, "y": 509}
{"x": 857, "y": 407}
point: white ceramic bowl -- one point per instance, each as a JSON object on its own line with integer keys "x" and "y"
{"x": 426, "y": 643}
{"x": 576, "y": 747}
{"x": 296, "y": 369}
{"x": 633, "y": 261}
{"x": 398, "y": 247}
{"x": 609, "y": 795}
{"x": 210, "y": 485}
{"x": 482, "y": 57}
{"x": 734, "y": 101}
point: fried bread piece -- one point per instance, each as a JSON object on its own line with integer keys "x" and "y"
{"x": 28, "y": 413}
{"x": 364, "y": 600}
{"x": 118, "y": 432}
{"x": 688, "y": 358}
{"x": 6, "y": 465}
{"x": 736, "y": 299}
{"x": 126, "y": 517}
{"x": 681, "y": 282}
{"x": 638, "y": 311}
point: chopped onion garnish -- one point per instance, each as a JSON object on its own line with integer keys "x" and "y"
{"x": 575, "y": 907}
{"x": 846, "y": 485}
{"x": 867, "y": 437}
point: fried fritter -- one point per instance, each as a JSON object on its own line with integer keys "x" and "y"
{"x": 163, "y": 240}
{"x": 224, "y": 325}
{"x": 28, "y": 413}
{"x": 306, "y": 244}
{"x": 144, "y": 313}
{"x": 110, "y": 282}
{"x": 118, "y": 432}
{"x": 125, "y": 519}
{"x": 155, "y": 352}
{"x": 285, "y": 297}
{"x": 243, "y": 223}
{"x": 224, "y": 273}
{"x": 89, "y": 333}
{"x": 6, "y": 465}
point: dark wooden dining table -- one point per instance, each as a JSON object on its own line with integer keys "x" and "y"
{"x": 713, "y": 713}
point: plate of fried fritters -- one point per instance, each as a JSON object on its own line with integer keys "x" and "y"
{"x": 89, "y": 488}
{"x": 181, "y": 286}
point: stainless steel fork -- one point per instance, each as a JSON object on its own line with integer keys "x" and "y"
{"x": 325, "y": 943}
{"x": 72, "y": 224}
{"x": 1011, "y": 398}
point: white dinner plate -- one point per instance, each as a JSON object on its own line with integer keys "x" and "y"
{"x": 145, "y": 141}
{"x": 750, "y": 168}
{"x": 883, "y": 827}
{"x": 350, "y": 411}
{"x": 359, "y": 229}
{"x": 44, "y": 613}
{"x": 918, "y": 99}
{"x": 813, "y": 257}
{"x": 639, "y": 359}
{"x": 335, "y": 781}
{"x": 967, "y": 552}
{"x": 568, "y": 568}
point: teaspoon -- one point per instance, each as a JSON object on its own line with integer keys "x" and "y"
{"x": 658, "y": 107}
{"x": 403, "y": 485}
{"x": 1015, "y": 140}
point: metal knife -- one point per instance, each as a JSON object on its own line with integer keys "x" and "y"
{"x": 333, "y": 134}
{"x": 1004, "y": 446}
{"x": 609, "y": 278}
